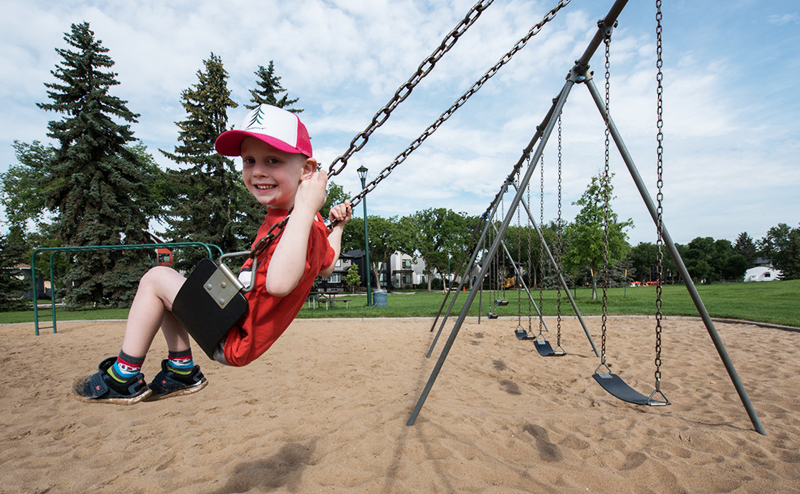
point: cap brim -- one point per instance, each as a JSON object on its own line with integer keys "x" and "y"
{"x": 229, "y": 143}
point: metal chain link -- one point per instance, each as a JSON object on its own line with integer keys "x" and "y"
{"x": 559, "y": 245}
{"x": 659, "y": 195}
{"x": 402, "y": 93}
{"x": 519, "y": 256}
{"x": 404, "y": 90}
{"x": 605, "y": 185}
{"x": 459, "y": 103}
{"x": 273, "y": 233}
{"x": 541, "y": 249}
{"x": 530, "y": 258}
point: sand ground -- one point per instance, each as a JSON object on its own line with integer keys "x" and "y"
{"x": 325, "y": 411}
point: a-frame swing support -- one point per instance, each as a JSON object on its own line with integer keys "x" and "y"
{"x": 580, "y": 74}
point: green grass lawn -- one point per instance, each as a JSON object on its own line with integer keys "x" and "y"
{"x": 775, "y": 302}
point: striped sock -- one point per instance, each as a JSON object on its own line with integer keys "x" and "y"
{"x": 125, "y": 367}
{"x": 181, "y": 362}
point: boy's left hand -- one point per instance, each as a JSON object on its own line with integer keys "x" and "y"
{"x": 341, "y": 213}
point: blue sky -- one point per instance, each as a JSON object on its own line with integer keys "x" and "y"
{"x": 732, "y": 136}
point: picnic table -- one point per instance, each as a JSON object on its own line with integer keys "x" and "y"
{"x": 327, "y": 298}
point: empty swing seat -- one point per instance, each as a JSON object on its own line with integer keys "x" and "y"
{"x": 501, "y": 303}
{"x": 521, "y": 334}
{"x": 620, "y": 389}
{"x": 543, "y": 347}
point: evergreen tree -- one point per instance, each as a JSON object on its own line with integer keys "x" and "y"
{"x": 94, "y": 186}
{"x": 211, "y": 204}
{"x": 12, "y": 286}
{"x": 747, "y": 248}
{"x": 268, "y": 90}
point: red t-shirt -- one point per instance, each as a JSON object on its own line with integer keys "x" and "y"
{"x": 268, "y": 316}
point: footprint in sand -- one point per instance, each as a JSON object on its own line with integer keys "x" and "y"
{"x": 549, "y": 451}
{"x": 510, "y": 387}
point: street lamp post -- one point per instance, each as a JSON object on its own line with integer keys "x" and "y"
{"x": 362, "y": 174}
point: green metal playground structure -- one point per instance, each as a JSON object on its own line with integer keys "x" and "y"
{"x": 55, "y": 250}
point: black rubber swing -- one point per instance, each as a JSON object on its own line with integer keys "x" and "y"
{"x": 620, "y": 389}
{"x": 210, "y": 302}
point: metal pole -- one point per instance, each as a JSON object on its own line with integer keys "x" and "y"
{"x": 366, "y": 237}
{"x": 492, "y": 252}
{"x": 676, "y": 257}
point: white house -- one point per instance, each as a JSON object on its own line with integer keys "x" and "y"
{"x": 762, "y": 273}
{"x": 405, "y": 271}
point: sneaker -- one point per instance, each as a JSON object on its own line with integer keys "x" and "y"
{"x": 100, "y": 387}
{"x": 168, "y": 384}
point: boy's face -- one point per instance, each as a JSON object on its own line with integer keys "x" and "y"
{"x": 271, "y": 175}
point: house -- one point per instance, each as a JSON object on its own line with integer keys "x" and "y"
{"x": 335, "y": 282}
{"x": 405, "y": 272}
{"x": 762, "y": 273}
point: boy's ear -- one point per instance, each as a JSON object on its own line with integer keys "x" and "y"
{"x": 309, "y": 167}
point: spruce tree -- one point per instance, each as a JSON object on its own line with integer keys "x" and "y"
{"x": 12, "y": 285}
{"x": 268, "y": 90}
{"x": 211, "y": 204}
{"x": 95, "y": 188}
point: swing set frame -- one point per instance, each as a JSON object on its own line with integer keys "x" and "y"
{"x": 580, "y": 74}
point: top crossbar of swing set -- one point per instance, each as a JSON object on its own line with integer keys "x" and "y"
{"x": 84, "y": 248}
{"x": 580, "y": 74}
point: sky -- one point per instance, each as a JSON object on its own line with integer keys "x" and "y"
{"x": 730, "y": 75}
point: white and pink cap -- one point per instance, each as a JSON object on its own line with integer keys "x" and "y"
{"x": 275, "y": 126}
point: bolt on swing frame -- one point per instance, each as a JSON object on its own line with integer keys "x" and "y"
{"x": 580, "y": 74}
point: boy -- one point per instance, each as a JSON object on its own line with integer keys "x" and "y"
{"x": 279, "y": 171}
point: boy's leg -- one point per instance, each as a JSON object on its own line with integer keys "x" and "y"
{"x": 151, "y": 310}
{"x": 119, "y": 380}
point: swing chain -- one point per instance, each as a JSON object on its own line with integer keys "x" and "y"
{"x": 660, "y": 195}
{"x": 404, "y": 91}
{"x": 530, "y": 258}
{"x": 518, "y": 269}
{"x": 541, "y": 250}
{"x": 273, "y": 233}
{"x": 559, "y": 244}
{"x": 605, "y": 192}
{"x": 458, "y": 104}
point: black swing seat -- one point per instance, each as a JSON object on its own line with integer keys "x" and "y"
{"x": 491, "y": 315}
{"x": 209, "y": 303}
{"x": 501, "y": 303}
{"x": 546, "y": 350}
{"x": 619, "y": 389}
{"x": 543, "y": 347}
{"x": 521, "y": 334}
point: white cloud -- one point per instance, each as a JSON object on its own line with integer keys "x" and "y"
{"x": 727, "y": 128}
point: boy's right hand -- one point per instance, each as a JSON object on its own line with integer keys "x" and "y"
{"x": 311, "y": 193}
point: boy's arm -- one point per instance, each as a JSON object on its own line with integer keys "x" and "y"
{"x": 289, "y": 259}
{"x": 341, "y": 214}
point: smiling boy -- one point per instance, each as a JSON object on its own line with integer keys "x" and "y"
{"x": 279, "y": 171}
